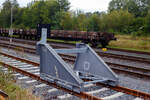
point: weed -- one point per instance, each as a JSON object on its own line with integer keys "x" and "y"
{"x": 8, "y": 85}
{"x": 132, "y": 43}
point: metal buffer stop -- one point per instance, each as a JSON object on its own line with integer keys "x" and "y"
{"x": 88, "y": 65}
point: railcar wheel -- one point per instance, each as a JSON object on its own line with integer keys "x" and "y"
{"x": 94, "y": 44}
{"x": 84, "y": 41}
{"x": 104, "y": 44}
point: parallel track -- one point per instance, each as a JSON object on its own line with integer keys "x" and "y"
{"x": 82, "y": 94}
{"x": 111, "y": 55}
{"x": 129, "y": 70}
{"x": 3, "y": 95}
{"x": 134, "y": 71}
{"x": 69, "y": 44}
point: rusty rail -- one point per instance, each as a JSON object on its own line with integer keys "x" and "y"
{"x": 82, "y": 95}
{"x": 117, "y": 88}
{"x": 117, "y": 69}
{"x": 125, "y": 57}
{"x": 136, "y": 93}
{"x": 34, "y": 43}
{"x": 3, "y": 95}
{"x": 129, "y": 91}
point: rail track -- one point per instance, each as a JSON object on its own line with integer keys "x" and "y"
{"x": 31, "y": 69}
{"x": 134, "y": 71}
{"x": 128, "y": 70}
{"x": 103, "y": 54}
{"x": 69, "y": 45}
{"x": 3, "y": 95}
{"x": 20, "y": 67}
{"x": 139, "y": 72}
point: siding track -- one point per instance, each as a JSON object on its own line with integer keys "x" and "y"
{"x": 22, "y": 66}
{"x": 139, "y": 72}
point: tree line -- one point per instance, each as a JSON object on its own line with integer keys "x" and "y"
{"x": 122, "y": 17}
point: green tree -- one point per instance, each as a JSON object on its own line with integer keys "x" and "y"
{"x": 54, "y": 13}
{"x": 147, "y": 23}
{"x": 81, "y": 22}
{"x": 117, "y": 21}
{"x": 27, "y": 17}
{"x": 49, "y": 11}
{"x": 15, "y": 11}
{"x": 136, "y": 7}
{"x": 64, "y": 5}
{"x": 66, "y": 21}
{"x": 94, "y": 23}
{"x": 117, "y": 4}
{"x": 5, "y": 14}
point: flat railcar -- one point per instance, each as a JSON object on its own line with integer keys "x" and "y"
{"x": 94, "y": 38}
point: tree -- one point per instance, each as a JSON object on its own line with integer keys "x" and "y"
{"x": 117, "y": 4}
{"x": 27, "y": 17}
{"x": 15, "y": 11}
{"x": 5, "y": 14}
{"x": 66, "y": 21}
{"x": 40, "y": 12}
{"x": 47, "y": 12}
{"x": 94, "y": 23}
{"x": 81, "y": 22}
{"x": 117, "y": 21}
{"x": 15, "y": 4}
{"x": 63, "y": 5}
{"x": 147, "y": 23}
{"x": 54, "y": 13}
{"x": 136, "y": 7}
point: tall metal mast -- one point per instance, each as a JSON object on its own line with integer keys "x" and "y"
{"x": 11, "y": 22}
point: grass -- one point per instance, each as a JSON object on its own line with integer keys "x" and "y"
{"x": 123, "y": 42}
{"x": 8, "y": 85}
{"x": 14, "y": 36}
{"x": 127, "y": 42}
{"x": 63, "y": 41}
{"x": 131, "y": 43}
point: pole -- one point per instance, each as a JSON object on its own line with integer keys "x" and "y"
{"x": 11, "y": 21}
{"x": 11, "y": 16}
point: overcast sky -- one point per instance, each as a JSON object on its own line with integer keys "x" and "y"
{"x": 85, "y": 5}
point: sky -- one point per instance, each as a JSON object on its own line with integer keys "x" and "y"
{"x": 84, "y": 5}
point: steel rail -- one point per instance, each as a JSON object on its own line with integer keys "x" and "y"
{"x": 82, "y": 95}
{"x": 73, "y": 57}
{"x": 122, "y": 68}
{"x": 144, "y": 70}
{"x": 20, "y": 59}
{"x": 33, "y": 43}
{"x": 130, "y": 51}
{"x": 114, "y": 49}
{"x": 126, "y": 71}
{"x": 117, "y": 56}
{"x": 117, "y": 88}
{"x": 3, "y": 94}
{"x": 134, "y": 71}
{"x": 125, "y": 57}
{"x": 133, "y": 92}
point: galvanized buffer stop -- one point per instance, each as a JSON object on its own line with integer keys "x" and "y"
{"x": 88, "y": 65}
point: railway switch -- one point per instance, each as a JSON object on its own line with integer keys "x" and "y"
{"x": 88, "y": 65}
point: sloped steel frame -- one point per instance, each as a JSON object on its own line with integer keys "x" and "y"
{"x": 88, "y": 65}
